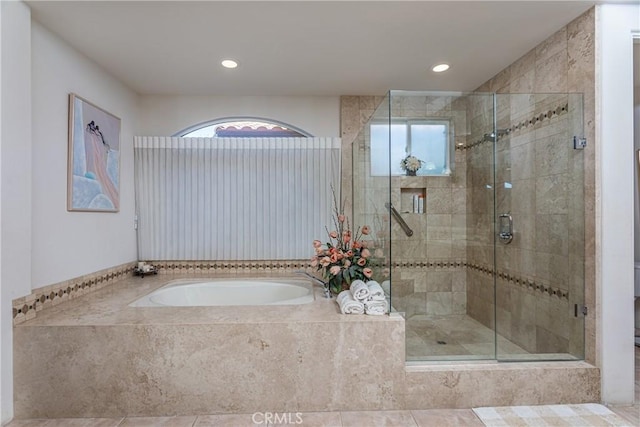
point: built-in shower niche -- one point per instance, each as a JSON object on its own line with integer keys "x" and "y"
{"x": 464, "y": 294}
{"x": 410, "y": 202}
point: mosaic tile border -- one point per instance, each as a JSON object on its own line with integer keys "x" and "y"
{"x": 523, "y": 282}
{"x": 431, "y": 264}
{"x": 171, "y": 267}
{"x": 27, "y": 307}
{"x": 559, "y": 110}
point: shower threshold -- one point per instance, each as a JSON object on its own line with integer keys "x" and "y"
{"x": 460, "y": 338}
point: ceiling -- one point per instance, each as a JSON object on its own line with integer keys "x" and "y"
{"x": 296, "y": 48}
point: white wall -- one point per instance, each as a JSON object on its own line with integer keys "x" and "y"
{"x": 42, "y": 243}
{"x": 636, "y": 139}
{"x": 3, "y": 322}
{"x": 70, "y": 244}
{"x": 166, "y": 115}
{"x": 615, "y": 25}
{"x": 15, "y": 190}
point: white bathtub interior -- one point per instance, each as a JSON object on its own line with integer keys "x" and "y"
{"x": 228, "y": 292}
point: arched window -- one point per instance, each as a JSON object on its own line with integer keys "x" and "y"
{"x": 239, "y": 127}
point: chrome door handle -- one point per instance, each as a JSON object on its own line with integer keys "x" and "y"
{"x": 505, "y": 228}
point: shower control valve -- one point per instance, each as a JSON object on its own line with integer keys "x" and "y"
{"x": 505, "y": 227}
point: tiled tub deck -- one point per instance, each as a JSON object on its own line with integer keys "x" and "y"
{"x": 96, "y": 357}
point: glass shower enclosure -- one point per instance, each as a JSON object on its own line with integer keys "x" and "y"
{"x": 481, "y": 248}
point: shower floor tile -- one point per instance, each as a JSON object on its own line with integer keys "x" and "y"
{"x": 459, "y": 336}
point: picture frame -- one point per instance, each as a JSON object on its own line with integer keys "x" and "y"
{"x": 93, "y": 172}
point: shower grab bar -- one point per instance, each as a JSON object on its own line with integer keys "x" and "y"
{"x": 394, "y": 213}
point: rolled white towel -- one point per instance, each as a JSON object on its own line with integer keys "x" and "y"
{"x": 386, "y": 286}
{"x": 348, "y": 305}
{"x": 342, "y": 295}
{"x": 359, "y": 290}
{"x": 376, "y": 307}
{"x": 376, "y": 292}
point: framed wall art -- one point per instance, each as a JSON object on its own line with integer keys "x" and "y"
{"x": 93, "y": 176}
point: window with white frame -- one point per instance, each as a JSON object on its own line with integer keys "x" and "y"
{"x": 426, "y": 139}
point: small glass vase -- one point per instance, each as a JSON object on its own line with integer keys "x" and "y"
{"x": 411, "y": 173}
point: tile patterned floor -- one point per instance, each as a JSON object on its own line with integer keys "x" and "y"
{"x": 583, "y": 415}
{"x": 425, "y": 418}
{"x": 429, "y": 418}
{"x": 632, "y": 413}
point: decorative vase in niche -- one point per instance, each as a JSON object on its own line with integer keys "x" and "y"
{"x": 411, "y": 173}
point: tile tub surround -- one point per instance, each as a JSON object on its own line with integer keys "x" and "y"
{"x": 27, "y": 307}
{"x": 97, "y": 357}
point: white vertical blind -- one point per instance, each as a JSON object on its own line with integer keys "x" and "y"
{"x": 233, "y": 198}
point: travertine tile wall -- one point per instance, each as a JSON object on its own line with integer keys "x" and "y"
{"x": 555, "y": 243}
{"x": 355, "y": 112}
{"x": 480, "y": 210}
{"x": 538, "y": 180}
{"x": 434, "y": 290}
{"x": 439, "y": 233}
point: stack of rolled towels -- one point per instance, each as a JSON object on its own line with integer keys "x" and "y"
{"x": 363, "y": 298}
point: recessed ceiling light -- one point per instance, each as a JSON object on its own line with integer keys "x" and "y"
{"x": 229, "y": 63}
{"x": 440, "y": 68}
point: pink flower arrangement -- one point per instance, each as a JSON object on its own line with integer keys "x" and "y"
{"x": 345, "y": 257}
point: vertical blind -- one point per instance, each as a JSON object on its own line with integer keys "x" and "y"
{"x": 233, "y": 198}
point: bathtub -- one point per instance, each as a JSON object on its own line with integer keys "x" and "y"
{"x": 228, "y": 292}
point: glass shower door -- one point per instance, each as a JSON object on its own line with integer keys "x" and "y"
{"x": 539, "y": 227}
{"x": 493, "y": 265}
{"x": 447, "y": 305}
{"x": 370, "y": 192}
